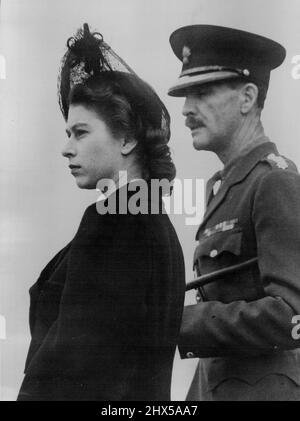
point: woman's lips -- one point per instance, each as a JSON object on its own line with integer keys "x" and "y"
{"x": 74, "y": 168}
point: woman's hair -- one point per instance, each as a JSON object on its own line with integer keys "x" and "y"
{"x": 130, "y": 107}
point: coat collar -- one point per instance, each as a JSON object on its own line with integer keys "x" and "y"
{"x": 239, "y": 169}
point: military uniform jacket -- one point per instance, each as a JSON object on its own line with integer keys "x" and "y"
{"x": 242, "y": 327}
{"x": 105, "y": 312}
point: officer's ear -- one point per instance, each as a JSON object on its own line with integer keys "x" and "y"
{"x": 128, "y": 144}
{"x": 249, "y": 94}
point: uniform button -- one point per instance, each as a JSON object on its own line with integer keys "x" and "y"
{"x": 190, "y": 355}
{"x": 213, "y": 253}
{"x": 198, "y": 297}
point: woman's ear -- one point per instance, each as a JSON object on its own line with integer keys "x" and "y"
{"x": 249, "y": 94}
{"x": 128, "y": 145}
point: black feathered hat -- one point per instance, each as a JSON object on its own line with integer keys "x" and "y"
{"x": 89, "y": 56}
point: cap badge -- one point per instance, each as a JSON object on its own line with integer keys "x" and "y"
{"x": 279, "y": 160}
{"x": 186, "y": 52}
{"x": 246, "y": 72}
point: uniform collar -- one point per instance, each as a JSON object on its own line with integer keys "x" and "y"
{"x": 249, "y": 158}
{"x": 236, "y": 171}
{"x": 239, "y": 168}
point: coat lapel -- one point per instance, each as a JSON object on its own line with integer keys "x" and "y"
{"x": 242, "y": 168}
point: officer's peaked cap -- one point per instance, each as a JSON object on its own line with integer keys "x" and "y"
{"x": 211, "y": 53}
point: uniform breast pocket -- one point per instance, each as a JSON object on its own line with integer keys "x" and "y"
{"x": 223, "y": 250}
{"x": 217, "y": 251}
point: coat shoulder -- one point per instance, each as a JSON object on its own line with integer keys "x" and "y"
{"x": 274, "y": 169}
{"x": 279, "y": 162}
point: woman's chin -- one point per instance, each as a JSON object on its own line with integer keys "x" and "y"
{"x": 85, "y": 184}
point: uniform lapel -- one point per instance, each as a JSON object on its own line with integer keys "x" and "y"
{"x": 210, "y": 186}
{"x": 242, "y": 168}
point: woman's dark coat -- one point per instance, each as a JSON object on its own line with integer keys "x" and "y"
{"x": 105, "y": 312}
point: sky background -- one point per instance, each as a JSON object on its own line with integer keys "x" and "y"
{"x": 40, "y": 204}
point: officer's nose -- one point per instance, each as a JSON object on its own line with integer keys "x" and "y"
{"x": 188, "y": 107}
{"x": 69, "y": 149}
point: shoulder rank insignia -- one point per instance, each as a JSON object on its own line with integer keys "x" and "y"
{"x": 279, "y": 161}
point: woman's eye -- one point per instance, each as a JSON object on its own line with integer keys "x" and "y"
{"x": 80, "y": 133}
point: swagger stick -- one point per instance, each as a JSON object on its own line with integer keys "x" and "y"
{"x": 213, "y": 276}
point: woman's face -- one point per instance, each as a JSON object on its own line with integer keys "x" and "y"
{"x": 93, "y": 152}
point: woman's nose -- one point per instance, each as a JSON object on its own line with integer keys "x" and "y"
{"x": 68, "y": 150}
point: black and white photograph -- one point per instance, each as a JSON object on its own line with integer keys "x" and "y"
{"x": 150, "y": 202}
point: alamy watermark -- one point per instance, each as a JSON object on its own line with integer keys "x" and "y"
{"x": 296, "y": 328}
{"x": 2, "y": 337}
{"x": 2, "y": 327}
{"x": 180, "y": 197}
{"x": 2, "y": 67}
{"x": 296, "y": 67}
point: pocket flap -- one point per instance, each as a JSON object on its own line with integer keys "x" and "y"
{"x": 219, "y": 243}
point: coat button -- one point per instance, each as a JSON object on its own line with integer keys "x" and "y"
{"x": 213, "y": 253}
{"x": 190, "y": 355}
{"x": 198, "y": 297}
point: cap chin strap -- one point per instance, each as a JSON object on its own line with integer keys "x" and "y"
{"x": 179, "y": 89}
{"x": 209, "y": 69}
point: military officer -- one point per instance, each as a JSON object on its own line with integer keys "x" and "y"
{"x": 241, "y": 326}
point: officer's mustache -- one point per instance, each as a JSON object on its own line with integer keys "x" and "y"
{"x": 193, "y": 123}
